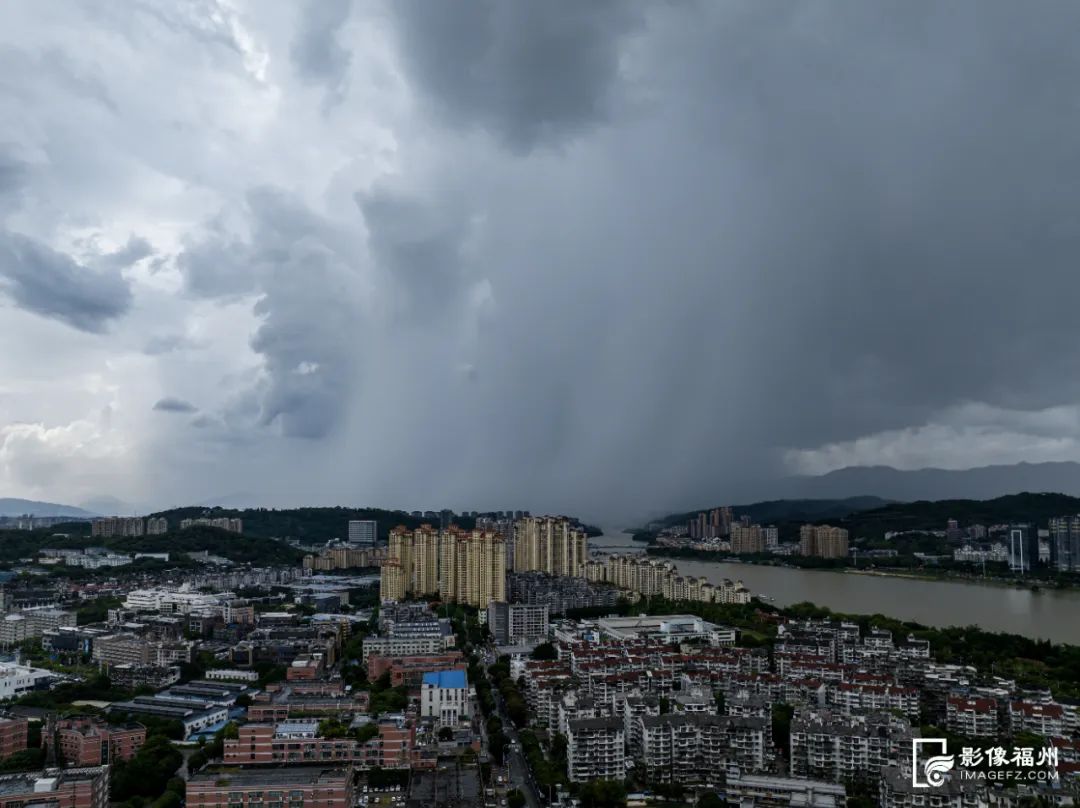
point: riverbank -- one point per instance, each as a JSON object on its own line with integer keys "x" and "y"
{"x": 1048, "y": 614}
{"x": 917, "y": 573}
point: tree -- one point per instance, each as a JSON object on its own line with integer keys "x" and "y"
{"x": 710, "y": 800}
{"x": 781, "y": 726}
{"x": 148, "y": 772}
{"x": 367, "y": 732}
{"x": 515, "y": 799}
{"x": 545, "y": 651}
{"x": 446, "y": 734}
{"x": 603, "y": 794}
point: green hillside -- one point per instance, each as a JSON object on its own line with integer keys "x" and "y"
{"x": 925, "y": 515}
{"x": 785, "y": 510}
{"x": 18, "y": 544}
{"x": 313, "y": 525}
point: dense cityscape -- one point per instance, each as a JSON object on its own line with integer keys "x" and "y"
{"x": 496, "y": 660}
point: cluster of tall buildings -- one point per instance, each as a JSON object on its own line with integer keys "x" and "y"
{"x": 714, "y": 524}
{"x": 343, "y": 557}
{"x": 458, "y": 565}
{"x": 750, "y": 538}
{"x": 1065, "y": 543}
{"x": 650, "y": 577}
{"x": 551, "y": 544}
{"x": 110, "y": 526}
{"x": 823, "y": 541}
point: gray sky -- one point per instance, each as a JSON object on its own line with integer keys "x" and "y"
{"x": 601, "y": 257}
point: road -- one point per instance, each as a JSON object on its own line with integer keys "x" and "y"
{"x": 520, "y": 776}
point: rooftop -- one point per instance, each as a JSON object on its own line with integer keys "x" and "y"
{"x": 446, "y": 679}
{"x": 293, "y": 775}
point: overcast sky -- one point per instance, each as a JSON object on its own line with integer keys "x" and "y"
{"x": 603, "y": 257}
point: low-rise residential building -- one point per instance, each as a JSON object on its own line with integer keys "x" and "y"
{"x": 698, "y": 747}
{"x": 829, "y": 746}
{"x": 1041, "y": 718}
{"x": 594, "y": 750}
{"x": 897, "y": 791}
{"x": 972, "y": 717}
{"x": 859, "y": 697}
{"x": 517, "y": 623}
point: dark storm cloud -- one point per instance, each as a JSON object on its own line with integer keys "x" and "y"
{"x": 531, "y": 72}
{"x": 603, "y": 257}
{"x": 316, "y": 52}
{"x": 904, "y": 215}
{"x": 419, "y": 245}
{"x": 46, "y": 282}
{"x": 12, "y": 172}
{"x": 170, "y": 404}
{"x": 299, "y": 265}
{"x": 813, "y": 223}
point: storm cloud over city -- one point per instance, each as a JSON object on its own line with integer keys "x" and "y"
{"x": 595, "y": 257}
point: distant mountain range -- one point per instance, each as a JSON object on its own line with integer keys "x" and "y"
{"x": 10, "y": 506}
{"x": 986, "y": 482}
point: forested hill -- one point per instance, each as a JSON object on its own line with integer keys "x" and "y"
{"x": 871, "y": 517}
{"x": 787, "y": 510}
{"x": 19, "y": 544}
{"x": 927, "y": 515}
{"x": 315, "y": 525}
{"x": 306, "y": 524}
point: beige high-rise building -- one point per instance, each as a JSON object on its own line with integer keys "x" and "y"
{"x": 823, "y": 541}
{"x": 550, "y": 544}
{"x": 472, "y": 567}
{"x": 747, "y": 539}
{"x": 462, "y": 566}
{"x": 412, "y": 565}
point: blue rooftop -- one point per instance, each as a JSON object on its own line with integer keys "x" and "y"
{"x": 447, "y": 679}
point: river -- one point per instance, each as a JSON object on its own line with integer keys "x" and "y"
{"x": 1047, "y": 614}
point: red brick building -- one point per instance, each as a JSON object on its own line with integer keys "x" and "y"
{"x": 13, "y": 733}
{"x": 296, "y": 742}
{"x": 305, "y": 668}
{"x": 294, "y": 707}
{"x": 409, "y": 670}
{"x": 92, "y": 742}
{"x": 295, "y": 786}
{"x": 58, "y": 788}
